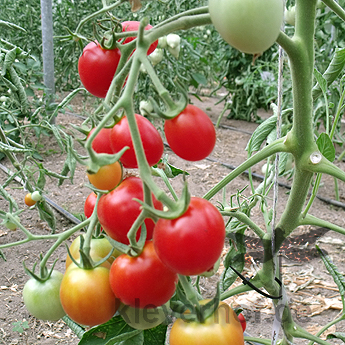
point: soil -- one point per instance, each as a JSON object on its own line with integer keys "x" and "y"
{"x": 314, "y": 297}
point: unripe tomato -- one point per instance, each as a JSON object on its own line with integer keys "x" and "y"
{"x": 221, "y": 328}
{"x": 99, "y": 249}
{"x": 10, "y": 225}
{"x": 97, "y": 67}
{"x": 28, "y": 200}
{"x": 251, "y": 26}
{"x": 107, "y": 177}
{"x": 42, "y": 300}
{"x": 86, "y": 296}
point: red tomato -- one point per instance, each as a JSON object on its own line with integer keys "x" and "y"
{"x": 89, "y": 204}
{"x": 101, "y": 144}
{"x": 86, "y": 296}
{"x": 221, "y": 328}
{"x": 134, "y": 26}
{"x": 191, "y": 134}
{"x": 107, "y": 177}
{"x": 192, "y": 243}
{"x": 97, "y": 67}
{"x": 117, "y": 210}
{"x": 142, "y": 281}
{"x": 243, "y": 321}
{"x": 120, "y": 137}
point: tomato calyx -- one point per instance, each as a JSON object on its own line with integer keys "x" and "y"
{"x": 86, "y": 261}
{"x": 44, "y": 274}
{"x": 172, "y": 108}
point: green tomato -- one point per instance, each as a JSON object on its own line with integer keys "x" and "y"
{"x": 144, "y": 318}
{"x": 42, "y": 300}
{"x": 10, "y": 225}
{"x": 290, "y": 15}
{"x": 251, "y": 26}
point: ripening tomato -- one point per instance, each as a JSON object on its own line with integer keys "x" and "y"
{"x": 117, "y": 210}
{"x": 134, "y": 26}
{"x": 86, "y": 296}
{"x": 107, "y": 177}
{"x": 152, "y": 142}
{"x": 28, "y": 200}
{"x": 191, "y": 134}
{"x": 192, "y": 243}
{"x": 250, "y": 26}
{"x": 101, "y": 143}
{"x": 99, "y": 248}
{"x": 221, "y": 328}
{"x": 42, "y": 299}
{"x": 97, "y": 67}
{"x": 142, "y": 281}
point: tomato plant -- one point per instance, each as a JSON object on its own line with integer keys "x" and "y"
{"x": 131, "y": 25}
{"x": 99, "y": 248}
{"x": 86, "y": 296}
{"x": 97, "y": 67}
{"x": 248, "y": 25}
{"x": 142, "y": 281}
{"x": 28, "y": 200}
{"x": 101, "y": 143}
{"x": 143, "y": 318}
{"x": 192, "y": 243}
{"x": 191, "y": 134}
{"x": 117, "y": 210}
{"x": 152, "y": 142}
{"x": 107, "y": 177}
{"x": 221, "y": 328}
{"x": 42, "y": 299}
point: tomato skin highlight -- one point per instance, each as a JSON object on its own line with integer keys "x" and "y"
{"x": 42, "y": 300}
{"x": 97, "y": 67}
{"x": 221, "y": 328}
{"x": 86, "y": 296}
{"x": 191, "y": 134}
{"x": 117, "y": 210}
{"x": 251, "y": 26}
{"x": 107, "y": 177}
{"x": 142, "y": 281}
{"x": 134, "y": 26}
{"x": 101, "y": 143}
{"x": 152, "y": 142}
{"x": 192, "y": 243}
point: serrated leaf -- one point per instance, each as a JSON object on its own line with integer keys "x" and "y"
{"x": 261, "y": 133}
{"x": 326, "y": 147}
{"x": 333, "y": 70}
{"x": 333, "y": 270}
{"x": 46, "y": 213}
{"x": 320, "y": 80}
{"x": 336, "y": 335}
{"x": 115, "y": 331}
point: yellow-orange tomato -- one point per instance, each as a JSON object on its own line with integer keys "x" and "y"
{"x": 107, "y": 177}
{"x": 28, "y": 200}
{"x": 221, "y": 328}
{"x": 99, "y": 248}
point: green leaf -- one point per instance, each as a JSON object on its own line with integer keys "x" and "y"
{"x": 337, "y": 335}
{"x": 320, "y": 80}
{"x": 333, "y": 70}
{"x": 261, "y": 133}
{"x": 199, "y": 78}
{"x": 155, "y": 336}
{"x": 46, "y": 213}
{"x": 326, "y": 147}
{"x": 333, "y": 270}
{"x": 115, "y": 331}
